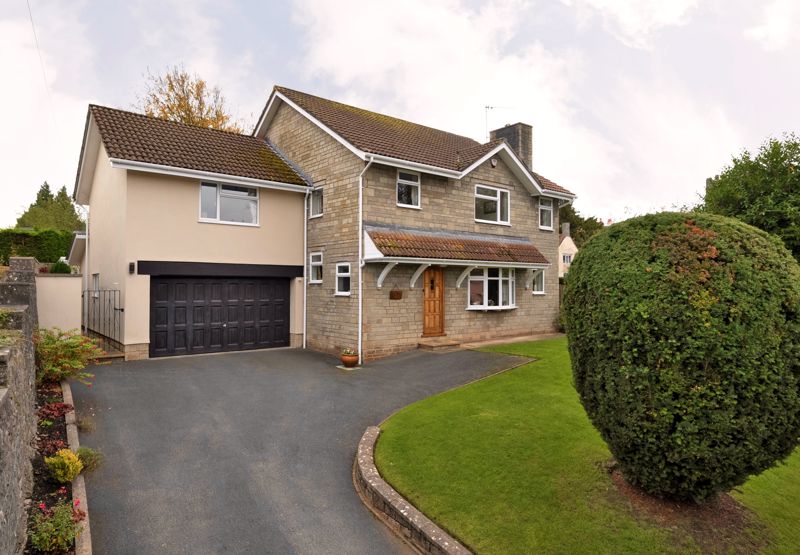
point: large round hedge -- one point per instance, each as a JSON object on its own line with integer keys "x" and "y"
{"x": 684, "y": 333}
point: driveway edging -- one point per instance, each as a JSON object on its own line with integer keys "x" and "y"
{"x": 83, "y": 543}
{"x": 405, "y": 518}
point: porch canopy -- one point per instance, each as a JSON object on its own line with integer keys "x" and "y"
{"x": 393, "y": 245}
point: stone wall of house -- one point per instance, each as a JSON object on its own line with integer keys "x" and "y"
{"x": 18, "y": 321}
{"x": 332, "y": 321}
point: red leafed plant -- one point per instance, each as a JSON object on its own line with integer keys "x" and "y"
{"x": 49, "y": 446}
{"x": 54, "y": 410}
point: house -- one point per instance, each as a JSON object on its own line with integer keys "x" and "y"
{"x": 329, "y": 227}
{"x": 566, "y": 250}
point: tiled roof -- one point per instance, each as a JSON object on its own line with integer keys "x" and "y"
{"x": 380, "y": 134}
{"x": 419, "y": 243}
{"x": 131, "y": 136}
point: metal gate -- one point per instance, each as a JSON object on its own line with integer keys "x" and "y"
{"x": 101, "y": 317}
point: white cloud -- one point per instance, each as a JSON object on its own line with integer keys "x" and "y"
{"x": 634, "y": 22}
{"x": 780, "y": 26}
{"x": 41, "y": 132}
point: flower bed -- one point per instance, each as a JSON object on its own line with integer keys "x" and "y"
{"x": 53, "y": 519}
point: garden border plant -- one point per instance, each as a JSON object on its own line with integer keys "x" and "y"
{"x": 684, "y": 334}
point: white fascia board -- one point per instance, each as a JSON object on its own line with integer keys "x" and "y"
{"x": 77, "y": 247}
{"x": 211, "y": 176}
{"x": 414, "y": 166}
{"x": 268, "y": 116}
{"x": 88, "y": 161}
{"x": 452, "y": 262}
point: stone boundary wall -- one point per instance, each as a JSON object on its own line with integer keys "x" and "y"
{"x": 17, "y": 400}
{"x": 401, "y": 516}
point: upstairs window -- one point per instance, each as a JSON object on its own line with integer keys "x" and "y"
{"x": 491, "y": 205}
{"x": 567, "y": 258}
{"x": 491, "y": 289}
{"x": 228, "y": 204}
{"x": 316, "y": 203}
{"x": 407, "y": 189}
{"x": 546, "y": 213}
{"x": 315, "y": 267}
{"x": 343, "y": 278}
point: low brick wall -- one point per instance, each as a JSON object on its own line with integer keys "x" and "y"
{"x": 402, "y": 516}
{"x": 17, "y": 401}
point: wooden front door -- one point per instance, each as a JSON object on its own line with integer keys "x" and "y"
{"x": 433, "y": 302}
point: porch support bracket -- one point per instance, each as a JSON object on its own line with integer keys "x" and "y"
{"x": 385, "y": 272}
{"x": 531, "y": 276}
{"x": 467, "y": 271}
{"x": 417, "y": 273}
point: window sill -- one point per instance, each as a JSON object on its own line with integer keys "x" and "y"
{"x": 491, "y": 308}
{"x": 409, "y": 206}
{"x": 316, "y": 216}
{"x": 507, "y": 224}
{"x": 542, "y": 228}
{"x": 539, "y": 293}
{"x": 241, "y": 224}
{"x": 314, "y": 282}
{"x": 341, "y": 294}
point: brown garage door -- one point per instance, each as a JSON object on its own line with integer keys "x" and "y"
{"x": 207, "y": 315}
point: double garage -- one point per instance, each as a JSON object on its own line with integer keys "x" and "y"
{"x": 207, "y": 308}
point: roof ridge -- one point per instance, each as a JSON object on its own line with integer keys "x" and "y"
{"x": 281, "y": 88}
{"x": 169, "y": 121}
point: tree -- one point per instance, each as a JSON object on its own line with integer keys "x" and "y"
{"x": 684, "y": 334}
{"x": 49, "y": 212}
{"x": 581, "y": 229}
{"x": 762, "y": 190}
{"x": 180, "y": 96}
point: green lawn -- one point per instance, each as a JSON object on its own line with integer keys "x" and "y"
{"x": 511, "y": 464}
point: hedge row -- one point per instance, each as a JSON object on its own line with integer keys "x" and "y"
{"x": 46, "y": 245}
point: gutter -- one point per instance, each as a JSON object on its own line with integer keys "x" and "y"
{"x": 361, "y": 258}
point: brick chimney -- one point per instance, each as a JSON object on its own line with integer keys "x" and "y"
{"x": 519, "y": 137}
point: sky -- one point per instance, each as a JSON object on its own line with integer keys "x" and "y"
{"x": 633, "y": 103}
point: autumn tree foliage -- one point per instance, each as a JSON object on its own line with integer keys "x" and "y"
{"x": 178, "y": 95}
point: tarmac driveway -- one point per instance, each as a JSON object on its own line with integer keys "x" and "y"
{"x": 247, "y": 452}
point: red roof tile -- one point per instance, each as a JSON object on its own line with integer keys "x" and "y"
{"x": 132, "y": 136}
{"x": 417, "y": 243}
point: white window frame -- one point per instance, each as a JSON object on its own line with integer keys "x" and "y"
{"x": 343, "y": 274}
{"x": 220, "y": 193}
{"x": 497, "y": 198}
{"x": 315, "y": 264}
{"x": 417, "y": 184}
{"x": 95, "y": 285}
{"x": 566, "y": 259}
{"x": 538, "y": 288}
{"x": 546, "y": 208}
{"x": 311, "y": 214}
{"x": 484, "y": 279}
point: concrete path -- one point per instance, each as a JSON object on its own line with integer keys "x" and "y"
{"x": 247, "y": 452}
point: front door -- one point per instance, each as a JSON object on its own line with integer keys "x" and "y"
{"x": 433, "y": 303}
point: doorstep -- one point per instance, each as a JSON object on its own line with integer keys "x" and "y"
{"x": 442, "y": 343}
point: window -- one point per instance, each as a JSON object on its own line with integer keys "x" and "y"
{"x": 228, "y": 204}
{"x": 538, "y": 283}
{"x": 315, "y": 267}
{"x": 567, "y": 258}
{"x": 407, "y": 189}
{"x": 316, "y": 203}
{"x": 491, "y": 289}
{"x": 546, "y": 213}
{"x": 491, "y": 205}
{"x": 343, "y": 278}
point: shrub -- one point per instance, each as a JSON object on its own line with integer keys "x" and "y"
{"x": 60, "y": 267}
{"x": 54, "y": 530}
{"x": 49, "y": 446}
{"x": 54, "y": 410}
{"x": 64, "y": 466}
{"x": 684, "y": 335}
{"x": 46, "y": 245}
{"x": 91, "y": 459}
{"x": 63, "y": 355}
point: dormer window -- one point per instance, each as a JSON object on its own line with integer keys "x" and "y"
{"x": 407, "y": 189}
{"x": 546, "y": 213}
{"x": 492, "y": 205}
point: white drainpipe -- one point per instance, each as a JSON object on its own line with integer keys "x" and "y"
{"x": 361, "y": 256}
{"x": 305, "y": 266}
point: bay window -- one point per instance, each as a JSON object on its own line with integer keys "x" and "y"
{"x": 491, "y": 289}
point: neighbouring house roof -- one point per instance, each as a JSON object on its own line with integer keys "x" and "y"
{"x": 404, "y": 242}
{"x": 136, "y": 137}
{"x": 379, "y": 134}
